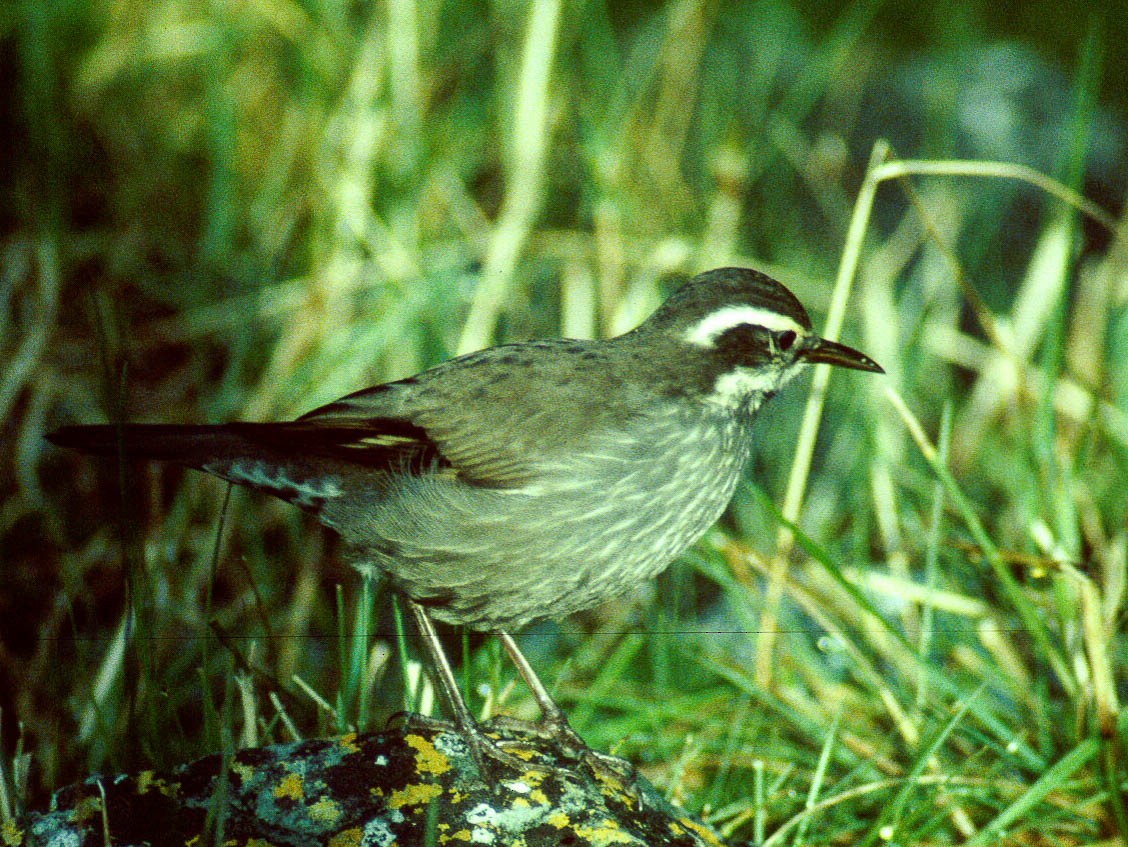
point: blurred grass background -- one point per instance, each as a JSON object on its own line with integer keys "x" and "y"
{"x": 239, "y": 211}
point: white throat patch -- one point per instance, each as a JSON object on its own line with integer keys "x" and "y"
{"x": 706, "y": 331}
{"x": 738, "y": 386}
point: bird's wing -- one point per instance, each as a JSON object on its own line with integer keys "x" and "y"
{"x": 495, "y": 418}
{"x": 370, "y": 428}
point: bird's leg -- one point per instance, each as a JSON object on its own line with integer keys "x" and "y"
{"x": 555, "y": 723}
{"x": 447, "y": 683}
{"x": 553, "y": 720}
{"x": 481, "y": 748}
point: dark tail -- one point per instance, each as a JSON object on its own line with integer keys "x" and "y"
{"x": 186, "y": 444}
{"x": 281, "y": 459}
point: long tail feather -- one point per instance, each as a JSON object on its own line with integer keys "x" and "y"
{"x": 268, "y": 457}
{"x": 186, "y": 444}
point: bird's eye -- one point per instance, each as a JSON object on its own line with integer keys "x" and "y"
{"x": 786, "y": 339}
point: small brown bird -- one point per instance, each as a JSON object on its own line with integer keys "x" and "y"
{"x": 529, "y": 480}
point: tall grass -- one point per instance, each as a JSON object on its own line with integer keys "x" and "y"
{"x": 908, "y": 629}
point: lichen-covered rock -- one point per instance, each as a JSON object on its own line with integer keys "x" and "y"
{"x": 412, "y": 786}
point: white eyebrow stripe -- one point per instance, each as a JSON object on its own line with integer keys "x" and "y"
{"x": 704, "y": 333}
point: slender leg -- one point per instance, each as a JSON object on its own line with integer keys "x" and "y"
{"x": 448, "y": 685}
{"x": 555, "y": 722}
{"x": 481, "y": 748}
{"x": 553, "y": 718}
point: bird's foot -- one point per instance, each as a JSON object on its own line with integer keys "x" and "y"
{"x": 568, "y": 743}
{"x": 494, "y": 763}
{"x": 405, "y": 720}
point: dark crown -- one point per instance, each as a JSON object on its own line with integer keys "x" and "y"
{"x": 717, "y": 289}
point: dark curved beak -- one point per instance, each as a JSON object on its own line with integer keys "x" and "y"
{"x": 827, "y": 352}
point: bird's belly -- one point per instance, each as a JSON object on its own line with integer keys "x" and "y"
{"x": 498, "y": 560}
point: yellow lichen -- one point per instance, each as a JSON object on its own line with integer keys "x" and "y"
{"x": 244, "y": 771}
{"x": 427, "y": 758}
{"x": 414, "y": 795}
{"x": 348, "y": 838}
{"x": 703, "y": 832}
{"x": 147, "y": 780}
{"x": 461, "y": 835}
{"x": 10, "y": 836}
{"x": 348, "y": 741}
{"x": 605, "y": 832}
{"x": 291, "y": 787}
{"x": 325, "y": 811}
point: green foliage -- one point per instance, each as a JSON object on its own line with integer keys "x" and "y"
{"x": 220, "y": 211}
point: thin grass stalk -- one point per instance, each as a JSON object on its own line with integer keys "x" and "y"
{"x": 525, "y": 163}
{"x": 812, "y": 416}
{"x": 1054, "y": 779}
{"x": 932, "y": 559}
{"x": 885, "y": 828}
{"x": 1030, "y": 616}
{"x": 818, "y": 779}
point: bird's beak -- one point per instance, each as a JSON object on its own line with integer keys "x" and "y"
{"x": 833, "y": 353}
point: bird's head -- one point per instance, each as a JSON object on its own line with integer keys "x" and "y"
{"x": 737, "y": 336}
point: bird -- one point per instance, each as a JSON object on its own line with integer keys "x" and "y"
{"x": 529, "y": 480}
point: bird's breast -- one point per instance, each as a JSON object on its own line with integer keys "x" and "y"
{"x": 649, "y": 499}
{"x": 592, "y": 523}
